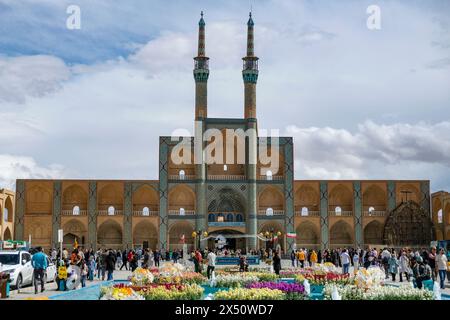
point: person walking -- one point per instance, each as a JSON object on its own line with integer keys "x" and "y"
{"x": 145, "y": 263}
{"x": 84, "y": 273}
{"x": 110, "y": 264}
{"x": 211, "y": 263}
{"x": 277, "y": 263}
{"x": 293, "y": 258}
{"x": 91, "y": 267}
{"x": 441, "y": 267}
{"x": 404, "y": 266}
{"x": 345, "y": 261}
{"x": 393, "y": 265}
{"x": 156, "y": 257}
{"x": 313, "y": 258}
{"x": 39, "y": 264}
{"x": 124, "y": 260}
{"x": 355, "y": 262}
{"x": 432, "y": 263}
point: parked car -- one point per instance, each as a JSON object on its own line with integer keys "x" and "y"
{"x": 18, "y": 264}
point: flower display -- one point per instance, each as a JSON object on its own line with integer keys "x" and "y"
{"x": 181, "y": 278}
{"x": 378, "y": 292}
{"x": 366, "y": 278}
{"x": 142, "y": 277}
{"x": 250, "y": 294}
{"x": 292, "y": 291}
{"x": 119, "y": 293}
{"x": 235, "y": 280}
{"x": 322, "y": 278}
{"x": 172, "y": 292}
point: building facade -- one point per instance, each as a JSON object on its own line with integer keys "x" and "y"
{"x": 246, "y": 202}
{"x": 7, "y": 203}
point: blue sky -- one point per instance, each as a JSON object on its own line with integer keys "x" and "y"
{"x": 91, "y": 103}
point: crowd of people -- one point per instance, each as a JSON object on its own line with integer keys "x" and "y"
{"x": 421, "y": 265}
{"x": 408, "y": 264}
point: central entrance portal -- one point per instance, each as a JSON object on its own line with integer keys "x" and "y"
{"x": 226, "y": 239}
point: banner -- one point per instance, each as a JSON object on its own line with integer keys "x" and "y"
{"x": 291, "y": 235}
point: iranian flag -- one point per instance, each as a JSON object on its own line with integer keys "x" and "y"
{"x": 182, "y": 238}
{"x": 291, "y": 235}
{"x": 275, "y": 238}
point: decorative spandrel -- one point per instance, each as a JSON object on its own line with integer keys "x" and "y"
{"x": 409, "y": 225}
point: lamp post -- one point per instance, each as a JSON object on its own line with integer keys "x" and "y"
{"x": 198, "y": 235}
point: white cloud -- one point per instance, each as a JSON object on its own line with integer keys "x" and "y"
{"x": 18, "y": 167}
{"x": 374, "y": 151}
{"x": 30, "y": 76}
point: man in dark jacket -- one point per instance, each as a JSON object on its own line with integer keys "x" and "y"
{"x": 157, "y": 256}
{"x": 110, "y": 264}
{"x": 124, "y": 260}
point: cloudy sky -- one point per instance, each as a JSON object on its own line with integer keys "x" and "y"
{"x": 91, "y": 103}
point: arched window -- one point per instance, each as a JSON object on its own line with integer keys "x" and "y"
{"x": 211, "y": 217}
{"x": 146, "y": 212}
{"x": 371, "y": 210}
{"x": 111, "y": 211}
{"x": 439, "y": 215}
{"x": 220, "y": 218}
{"x": 269, "y": 212}
{"x": 239, "y": 217}
{"x": 5, "y": 214}
{"x": 229, "y": 217}
{"x": 269, "y": 175}
{"x": 305, "y": 212}
{"x": 338, "y": 211}
{"x": 182, "y": 174}
{"x": 182, "y": 212}
{"x": 225, "y": 167}
{"x": 76, "y": 211}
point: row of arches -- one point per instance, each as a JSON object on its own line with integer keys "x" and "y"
{"x": 341, "y": 233}
{"x": 110, "y": 233}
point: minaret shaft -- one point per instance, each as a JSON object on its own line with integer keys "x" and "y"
{"x": 201, "y": 74}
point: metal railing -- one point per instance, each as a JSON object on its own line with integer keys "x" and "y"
{"x": 181, "y": 178}
{"x": 228, "y": 177}
{"x": 307, "y": 214}
{"x": 374, "y": 213}
{"x": 340, "y": 214}
{"x": 274, "y": 212}
{"x": 273, "y": 178}
{"x": 106, "y": 213}
{"x": 140, "y": 213}
{"x": 71, "y": 213}
{"x": 178, "y": 213}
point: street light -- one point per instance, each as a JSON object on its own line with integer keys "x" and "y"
{"x": 198, "y": 234}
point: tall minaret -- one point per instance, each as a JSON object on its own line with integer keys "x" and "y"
{"x": 250, "y": 73}
{"x": 201, "y": 74}
{"x": 250, "y": 76}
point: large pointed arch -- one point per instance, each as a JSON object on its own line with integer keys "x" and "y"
{"x": 341, "y": 196}
{"x": 373, "y": 233}
{"x": 7, "y": 235}
{"x": 307, "y": 197}
{"x": 109, "y": 235}
{"x": 73, "y": 196}
{"x": 374, "y": 197}
{"x": 271, "y": 197}
{"x": 74, "y": 229}
{"x": 179, "y": 231}
{"x": 145, "y": 231}
{"x": 181, "y": 196}
{"x": 341, "y": 234}
{"x": 145, "y": 196}
{"x": 307, "y": 234}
